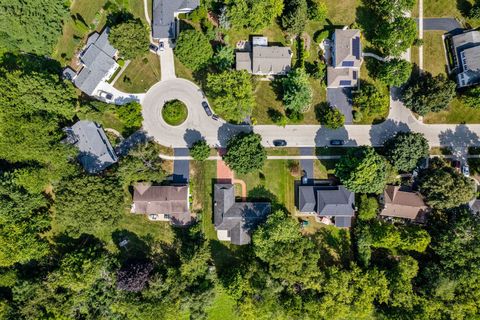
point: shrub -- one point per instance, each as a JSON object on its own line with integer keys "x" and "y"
{"x": 174, "y": 112}
{"x": 200, "y": 150}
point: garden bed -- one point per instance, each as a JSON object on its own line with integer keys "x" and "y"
{"x": 174, "y": 112}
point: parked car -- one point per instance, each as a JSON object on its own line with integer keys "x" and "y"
{"x": 304, "y": 177}
{"x": 207, "y": 109}
{"x": 279, "y": 143}
{"x": 161, "y": 46}
{"x": 466, "y": 170}
{"x": 456, "y": 165}
{"x": 215, "y": 117}
{"x": 153, "y": 217}
{"x": 337, "y": 142}
{"x": 106, "y": 95}
{"x": 153, "y": 48}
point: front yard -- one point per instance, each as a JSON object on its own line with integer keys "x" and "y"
{"x": 140, "y": 74}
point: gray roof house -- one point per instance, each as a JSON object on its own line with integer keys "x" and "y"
{"x": 98, "y": 61}
{"x": 167, "y": 203}
{"x": 328, "y": 201}
{"x": 234, "y": 221}
{"x": 466, "y": 49}
{"x": 346, "y": 59}
{"x": 95, "y": 151}
{"x": 262, "y": 59}
{"x": 164, "y": 24}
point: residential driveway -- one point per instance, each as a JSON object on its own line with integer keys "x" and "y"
{"x": 167, "y": 62}
{"x": 307, "y": 164}
{"x": 119, "y": 97}
{"x": 441, "y": 24}
{"x": 181, "y": 168}
{"x": 341, "y": 98}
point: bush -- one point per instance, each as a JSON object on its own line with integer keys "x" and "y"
{"x": 174, "y": 112}
{"x": 200, "y": 150}
{"x": 193, "y": 49}
{"x": 368, "y": 207}
{"x": 370, "y": 100}
{"x": 131, "y": 116}
{"x": 245, "y": 153}
{"x": 319, "y": 36}
{"x": 332, "y": 118}
{"x": 471, "y": 97}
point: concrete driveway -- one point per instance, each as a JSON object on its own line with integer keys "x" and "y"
{"x": 119, "y": 97}
{"x": 341, "y": 98}
{"x": 167, "y": 62}
{"x": 441, "y": 24}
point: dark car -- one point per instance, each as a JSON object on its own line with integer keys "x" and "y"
{"x": 279, "y": 143}
{"x": 337, "y": 142}
{"x": 215, "y": 117}
{"x": 153, "y": 48}
{"x": 207, "y": 109}
{"x": 457, "y": 165}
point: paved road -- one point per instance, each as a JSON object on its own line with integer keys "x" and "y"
{"x": 440, "y": 24}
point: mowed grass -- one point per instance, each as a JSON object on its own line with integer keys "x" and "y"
{"x": 342, "y": 11}
{"x": 434, "y": 53}
{"x": 273, "y": 32}
{"x": 140, "y": 75}
{"x": 322, "y": 169}
{"x": 222, "y": 307}
{"x": 456, "y": 113}
{"x": 440, "y": 8}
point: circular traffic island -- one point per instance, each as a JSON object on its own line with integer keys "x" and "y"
{"x": 174, "y": 112}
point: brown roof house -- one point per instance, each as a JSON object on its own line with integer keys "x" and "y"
{"x": 405, "y": 204}
{"x": 162, "y": 203}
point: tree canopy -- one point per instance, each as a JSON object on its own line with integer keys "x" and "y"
{"x": 471, "y": 97}
{"x": 362, "y": 170}
{"x": 252, "y": 14}
{"x": 130, "y": 38}
{"x": 295, "y": 16}
{"x": 193, "y": 49}
{"x": 232, "y": 93}
{"x": 297, "y": 92}
{"x": 332, "y": 117}
{"x": 245, "y": 153}
{"x": 394, "y": 72}
{"x": 200, "y": 150}
{"x": 370, "y": 100}
{"x": 406, "y": 149}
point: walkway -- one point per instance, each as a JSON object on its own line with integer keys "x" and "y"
{"x": 420, "y": 34}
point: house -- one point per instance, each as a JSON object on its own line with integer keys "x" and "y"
{"x": 162, "y": 203}
{"x": 346, "y": 59}
{"x": 98, "y": 64}
{"x": 165, "y": 23}
{"x": 262, "y": 59}
{"x": 401, "y": 203}
{"x": 95, "y": 151}
{"x": 234, "y": 221}
{"x": 466, "y": 57}
{"x": 327, "y": 201}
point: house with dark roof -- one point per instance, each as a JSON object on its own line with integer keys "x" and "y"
{"x": 261, "y": 59}
{"x": 466, "y": 57}
{"x": 98, "y": 61}
{"x": 165, "y": 12}
{"x": 327, "y": 201}
{"x": 346, "y": 59}
{"x": 403, "y": 203}
{"x": 235, "y": 221}
{"x": 95, "y": 151}
{"x": 162, "y": 203}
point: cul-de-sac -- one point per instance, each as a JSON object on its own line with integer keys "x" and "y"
{"x": 240, "y": 159}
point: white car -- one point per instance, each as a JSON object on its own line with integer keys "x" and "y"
{"x": 106, "y": 95}
{"x": 466, "y": 170}
{"x": 153, "y": 217}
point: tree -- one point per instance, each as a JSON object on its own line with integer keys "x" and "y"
{"x": 445, "y": 188}
{"x": 245, "y": 153}
{"x": 317, "y": 10}
{"x": 224, "y": 57}
{"x": 395, "y": 37}
{"x": 426, "y": 93}
{"x": 232, "y": 92}
{"x": 368, "y": 207}
{"x": 130, "y": 38}
{"x": 141, "y": 164}
{"x": 394, "y": 72}
{"x": 362, "y": 170}
{"x": 390, "y": 9}
{"x": 297, "y": 92}
{"x": 193, "y": 49}
{"x": 370, "y": 100}
{"x": 406, "y": 149}
{"x": 87, "y": 204}
{"x": 252, "y": 14}
{"x": 332, "y": 118}
{"x": 471, "y": 98}
{"x": 31, "y": 26}
{"x": 200, "y": 150}
{"x": 295, "y": 16}
{"x": 131, "y": 115}
{"x": 134, "y": 275}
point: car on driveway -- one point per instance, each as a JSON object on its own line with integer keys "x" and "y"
{"x": 337, "y": 142}
{"x": 207, "y": 109}
{"x": 279, "y": 143}
{"x": 153, "y": 48}
{"x": 106, "y": 95}
{"x": 161, "y": 46}
{"x": 215, "y": 117}
{"x": 466, "y": 170}
{"x": 153, "y": 217}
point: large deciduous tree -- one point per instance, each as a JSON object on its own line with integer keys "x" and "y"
{"x": 245, "y": 153}
{"x": 426, "y": 93}
{"x": 193, "y": 49}
{"x": 295, "y": 16}
{"x": 297, "y": 92}
{"x": 253, "y": 14}
{"x": 362, "y": 170}
{"x": 371, "y": 101}
{"x": 130, "y": 38}
{"x": 200, "y": 150}
{"x": 471, "y": 97}
{"x": 405, "y": 150}
{"x": 232, "y": 92}
{"x": 394, "y": 72}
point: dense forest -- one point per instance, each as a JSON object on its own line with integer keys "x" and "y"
{"x": 66, "y": 251}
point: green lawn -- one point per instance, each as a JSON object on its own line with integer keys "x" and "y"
{"x": 456, "y": 113}
{"x": 323, "y": 168}
{"x": 273, "y": 32}
{"x": 140, "y": 75}
{"x": 108, "y": 119}
{"x": 182, "y": 71}
{"x": 342, "y": 11}
{"x": 223, "y": 306}
{"x": 434, "y": 53}
{"x": 441, "y": 8}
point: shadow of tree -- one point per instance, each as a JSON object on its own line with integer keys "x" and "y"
{"x": 325, "y": 135}
{"x": 191, "y": 136}
{"x": 464, "y": 6}
{"x": 380, "y": 133}
{"x": 227, "y": 131}
{"x": 130, "y": 245}
{"x": 459, "y": 140}
{"x": 334, "y": 247}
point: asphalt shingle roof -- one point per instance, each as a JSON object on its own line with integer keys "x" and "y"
{"x": 163, "y": 25}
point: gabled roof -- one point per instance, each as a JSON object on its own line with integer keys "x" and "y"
{"x": 163, "y": 24}
{"x": 243, "y": 61}
{"x": 271, "y": 60}
{"x": 238, "y": 218}
{"x": 348, "y": 51}
{"x": 402, "y": 204}
{"x": 95, "y": 151}
{"x": 342, "y": 77}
